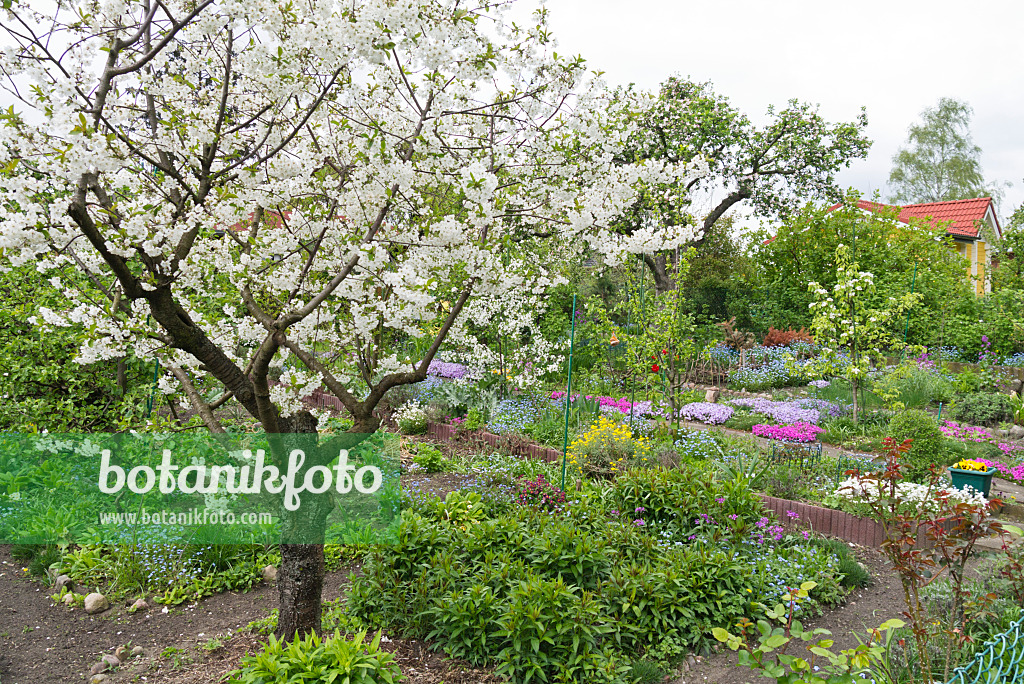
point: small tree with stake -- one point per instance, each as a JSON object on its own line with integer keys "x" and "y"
{"x": 843, "y": 320}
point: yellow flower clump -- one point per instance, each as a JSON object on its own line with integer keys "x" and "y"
{"x": 607, "y": 447}
{"x": 966, "y": 464}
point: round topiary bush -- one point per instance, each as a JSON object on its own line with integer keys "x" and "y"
{"x": 928, "y": 447}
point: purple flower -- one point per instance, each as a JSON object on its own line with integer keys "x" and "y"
{"x": 445, "y": 369}
{"x": 793, "y": 514}
{"x": 639, "y": 509}
{"x": 639, "y": 523}
{"x": 706, "y": 412}
{"x": 720, "y": 500}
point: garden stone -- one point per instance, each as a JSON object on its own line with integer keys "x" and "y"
{"x": 68, "y": 600}
{"x": 96, "y": 603}
{"x": 63, "y": 582}
{"x": 270, "y": 573}
{"x": 98, "y": 668}
{"x": 111, "y": 661}
{"x": 712, "y": 395}
{"x": 137, "y": 650}
{"x": 121, "y": 653}
{"x": 140, "y": 604}
{"x": 98, "y": 678}
{"x": 1017, "y": 432}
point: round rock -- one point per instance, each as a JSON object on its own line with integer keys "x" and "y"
{"x": 96, "y": 603}
{"x": 63, "y": 582}
{"x": 270, "y": 573}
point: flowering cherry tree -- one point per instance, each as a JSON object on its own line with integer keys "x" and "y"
{"x": 844, "y": 320}
{"x": 269, "y": 196}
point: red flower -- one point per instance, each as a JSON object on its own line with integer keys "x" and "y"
{"x": 664, "y": 351}
{"x": 655, "y": 368}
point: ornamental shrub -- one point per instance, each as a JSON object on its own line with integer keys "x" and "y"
{"x": 928, "y": 447}
{"x": 982, "y": 408}
{"x": 784, "y": 338}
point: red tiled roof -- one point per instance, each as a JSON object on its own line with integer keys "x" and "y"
{"x": 962, "y": 217}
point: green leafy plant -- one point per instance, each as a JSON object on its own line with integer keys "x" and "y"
{"x": 769, "y": 655}
{"x": 430, "y": 458}
{"x": 332, "y": 659}
{"x": 928, "y": 446}
{"x": 982, "y": 408}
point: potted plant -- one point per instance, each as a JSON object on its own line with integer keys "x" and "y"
{"x": 974, "y": 473}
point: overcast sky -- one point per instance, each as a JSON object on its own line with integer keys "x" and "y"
{"x": 894, "y": 57}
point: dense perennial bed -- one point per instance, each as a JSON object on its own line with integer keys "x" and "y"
{"x": 517, "y": 576}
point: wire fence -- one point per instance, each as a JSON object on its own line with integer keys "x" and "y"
{"x": 1000, "y": 660}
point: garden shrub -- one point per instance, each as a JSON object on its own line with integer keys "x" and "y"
{"x": 322, "y": 660}
{"x": 982, "y": 408}
{"x": 928, "y": 447}
{"x": 784, "y": 338}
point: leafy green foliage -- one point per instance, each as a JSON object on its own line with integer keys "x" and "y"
{"x": 568, "y": 595}
{"x": 803, "y": 250}
{"x": 41, "y": 385}
{"x": 430, "y": 458}
{"x": 982, "y": 408}
{"x": 928, "y": 447}
{"x": 769, "y": 654}
{"x": 312, "y": 658}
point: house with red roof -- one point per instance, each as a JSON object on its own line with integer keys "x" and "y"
{"x": 972, "y": 224}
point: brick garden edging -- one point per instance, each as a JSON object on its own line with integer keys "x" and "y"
{"x": 828, "y": 521}
{"x": 450, "y": 434}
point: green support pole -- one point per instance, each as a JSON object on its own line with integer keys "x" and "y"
{"x": 152, "y": 392}
{"x": 632, "y": 383}
{"x": 568, "y": 391}
{"x": 913, "y": 284}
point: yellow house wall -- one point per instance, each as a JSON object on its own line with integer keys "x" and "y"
{"x": 980, "y": 287}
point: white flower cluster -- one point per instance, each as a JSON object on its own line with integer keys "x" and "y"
{"x": 919, "y": 496}
{"x": 411, "y": 418}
